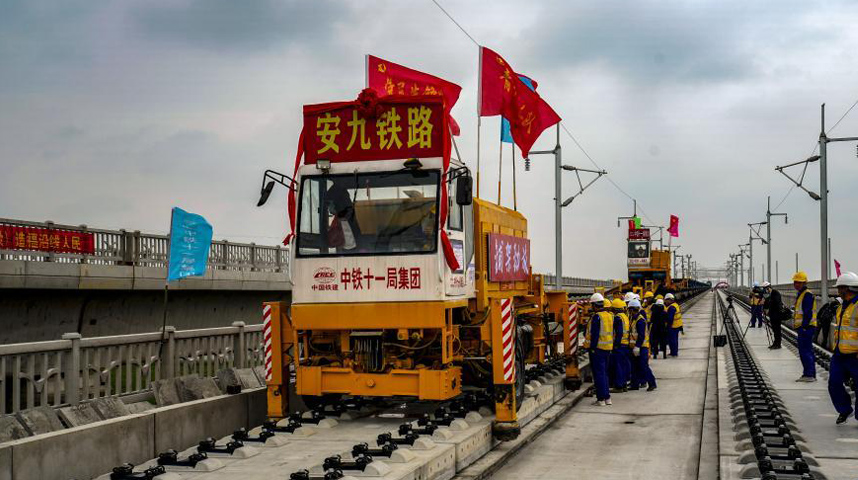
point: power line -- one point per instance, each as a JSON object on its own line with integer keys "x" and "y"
{"x": 565, "y": 129}
{"x": 457, "y": 23}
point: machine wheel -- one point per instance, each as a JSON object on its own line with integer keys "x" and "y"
{"x": 519, "y": 372}
{"x": 313, "y": 402}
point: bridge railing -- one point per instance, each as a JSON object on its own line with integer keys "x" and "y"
{"x": 579, "y": 282}
{"x": 67, "y": 371}
{"x": 123, "y": 247}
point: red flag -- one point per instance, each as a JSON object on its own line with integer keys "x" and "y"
{"x": 632, "y": 224}
{"x": 837, "y": 267}
{"x": 388, "y": 78}
{"x": 503, "y": 93}
{"x": 673, "y": 229}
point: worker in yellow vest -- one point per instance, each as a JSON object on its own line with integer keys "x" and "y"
{"x": 756, "y": 306}
{"x": 674, "y": 324}
{"x": 641, "y": 373}
{"x": 620, "y": 365}
{"x": 844, "y": 344}
{"x": 804, "y": 323}
{"x": 599, "y": 341}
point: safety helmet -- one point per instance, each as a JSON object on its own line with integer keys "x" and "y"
{"x": 596, "y": 297}
{"x": 635, "y": 303}
{"x": 659, "y": 297}
{"x": 638, "y": 296}
{"x": 848, "y": 279}
{"x": 756, "y": 284}
{"x": 628, "y": 296}
{"x": 606, "y": 303}
{"x": 618, "y": 303}
{"x": 669, "y": 296}
{"x": 659, "y": 302}
{"x": 647, "y": 294}
{"x": 766, "y": 285}
{"x": 799, "y": 277}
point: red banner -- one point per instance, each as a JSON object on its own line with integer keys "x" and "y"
{"x": 639, "y": 234}
{"x": 373, "y": 128}
{"x": 388, "y": 78}
{"x": 509, "y": 258}
{"x": 46, "y": 240}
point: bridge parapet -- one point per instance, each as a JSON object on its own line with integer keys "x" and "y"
{"x": 39, "y": 255}
{"x": 74, "y": 369}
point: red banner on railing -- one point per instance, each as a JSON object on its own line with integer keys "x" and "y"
{"x": 46, "y": 240}
{"x": 639, "y": 234}
{"x": 509, "y": 258}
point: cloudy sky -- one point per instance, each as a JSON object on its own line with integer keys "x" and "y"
{"x": 113, "y": 112}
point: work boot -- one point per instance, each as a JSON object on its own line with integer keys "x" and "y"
{"x": 599, "y": 403}
{"x": 608, "y": 402}
{"x": 806, "y": 379}
{"x": 634, "y": 388}
{"x": 616, "y": 390}
{"x": 651, "y": 388}
{"x": 843, "y": 417}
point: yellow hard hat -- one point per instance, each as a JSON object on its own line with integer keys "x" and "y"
{"x": 648, "y": 295}
{"x": 607, "y": 303}
{"x": 618, "y": 303}
{"x": 799, "y": 277}
{"x": 659, "y": 297}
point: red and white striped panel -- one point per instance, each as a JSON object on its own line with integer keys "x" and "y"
{"x": 573, "y": 328}
{"x": 507, "y": 337}
{"x": 266, "y": 338}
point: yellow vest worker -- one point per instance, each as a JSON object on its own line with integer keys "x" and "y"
{"x": 599, "y": 341}
{"x": 804, "y": 322}
{"x": 844, "y": 344}
{"x": 641, "y": 373}
{"x": 674, "y": 322}
{"x": 620, "y": 367}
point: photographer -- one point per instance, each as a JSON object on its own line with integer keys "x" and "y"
{"x": 777, "y": 313}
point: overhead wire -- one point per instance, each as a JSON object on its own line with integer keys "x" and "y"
{"x": 562, "y": 125}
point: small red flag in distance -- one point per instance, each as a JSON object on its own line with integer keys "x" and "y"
{"x": 503, "y": 93}
{"x": 673, "y": 229}
{"x": 388, "y": 78}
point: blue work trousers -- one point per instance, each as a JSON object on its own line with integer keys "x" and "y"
{"x": 620, "y": 367}
{"x": 842, "y": 365}
{"x": 805, "y": 351}
{"x": 756, "y": 316}
{"x": 599, "y": 366}
{"x": 673, "y": 341}
{"x": 641, "y": 373}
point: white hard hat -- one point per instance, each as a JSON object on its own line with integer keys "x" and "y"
{"x": 634, "y": 303}
{"x": 766, "y": 285}
{"x": 659, "y": 302}
{"x": 848, "y": 279}
{"x": 756, "y": 284}
{"x": 628, "y": 296}
{"x": 597, "y": 298}
{"x": 669, "y": 296}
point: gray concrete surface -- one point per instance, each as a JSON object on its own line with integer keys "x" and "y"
{"x": 835, "y": 447}
{"x": 31, "y": 315}
{"x": 643, "y": 435}
{"x": 90, "y": 450}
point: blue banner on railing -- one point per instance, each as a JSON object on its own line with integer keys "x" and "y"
{"x": 190, "y": 242}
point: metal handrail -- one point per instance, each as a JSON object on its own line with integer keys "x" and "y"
{"x": 65, "y": 372}
{"x": 123, "y": 247}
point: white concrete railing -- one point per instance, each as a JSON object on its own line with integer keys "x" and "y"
{"x": 73, "y": 369}
{"x": 122, "y": 247}
{"x": 579, "y": 282}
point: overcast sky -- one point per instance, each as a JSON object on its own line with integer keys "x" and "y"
{"x": 113, "y": 112}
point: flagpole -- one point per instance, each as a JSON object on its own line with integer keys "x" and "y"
{"x": 366, "y": 70}
{"x": 500, "y": 168}
{"x": 479, "y": 100}
{"x": 514, "y": 193}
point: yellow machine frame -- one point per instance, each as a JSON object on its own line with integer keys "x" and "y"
{"x": 442, "y": 380}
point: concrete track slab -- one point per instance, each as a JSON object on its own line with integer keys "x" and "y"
{"x": 808, "y": 404}
{"x": 659, "y": 432}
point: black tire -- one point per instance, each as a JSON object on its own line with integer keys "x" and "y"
{"x": 519, "y": 372}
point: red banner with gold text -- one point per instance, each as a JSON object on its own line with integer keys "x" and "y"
{"x": 46, "y": 240}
